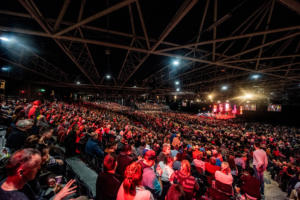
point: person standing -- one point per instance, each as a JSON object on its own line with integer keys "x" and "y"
{"x": 22, "y": 167}
{"x": 108, "y": 182}
{"x": 260, "y": 163}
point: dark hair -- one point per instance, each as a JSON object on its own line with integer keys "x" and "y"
{"x": 109, "y": 162}
{"x": 126, "y": 148}
{"x": 231, "y": 162}
{"x": 251, "y": 171}
{"x": 257, "y": 143}
{"x": 45, "y": 130}
{"x": 32, "y": 141}
{"x": 179, "y": 156}
{"x": 20, "y": 157}
{"x": 168, "y": 159}
{"x": 176, "y": 192}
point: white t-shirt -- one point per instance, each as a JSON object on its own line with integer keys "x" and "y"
{"x": 224, "y": 178}
{"x": 167, "y": 171}
{"x": 141, "y": 194}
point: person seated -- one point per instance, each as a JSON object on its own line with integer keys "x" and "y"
{"x": 132, "y": 188}
{"x": 16, "y": 139}
{"x": 199, "y": 163}
{"x": 45, "y": 135}
{"x": 176, "y": 192}
{"x": 21, "y": 168}
{"x": 250, "y": 184}
{"x": 211, "y": 166}
{"x": 108, "y": 182}
{"x": 49, "y": 162}
{"x": 184, "y": 178}
{"x": 222, "y": 186}
{"x": 224, "y": 175}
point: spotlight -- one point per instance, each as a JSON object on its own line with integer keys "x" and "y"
{"x": 78, "y": 82}
{"x": 177, "y": 89}
{"x": 5, "y": 69}
{"x": 248, "y": 96}
{"x": 4, "y": 39}
{"x": 176, "y": 82}
{"x": 224, "y": 87}
{"x": 255, "y": 76}
{"x": 176, "y": 62}
{"x": 134, "y": 86}
{"x": 108, "y": 76}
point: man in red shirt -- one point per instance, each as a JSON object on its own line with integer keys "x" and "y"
{"x": 211, "y": 166}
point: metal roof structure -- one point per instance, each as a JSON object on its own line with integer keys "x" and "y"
{"x": 135, "y": 42}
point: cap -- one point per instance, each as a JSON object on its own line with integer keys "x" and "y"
{"x": 24, "y": 123}
{"x": 37, "y": 102}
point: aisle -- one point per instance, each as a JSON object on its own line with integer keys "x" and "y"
{"x": 272, "y": 190}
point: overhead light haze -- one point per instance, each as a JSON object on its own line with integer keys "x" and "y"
{"x": 4, "y": 39}
{"x": 176, "y": 62}
{"x": 255, "y": 76}
{"x": 224, "y": 87}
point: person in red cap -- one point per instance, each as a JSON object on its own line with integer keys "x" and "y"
{"x": 150, "y": 180}
{"x": 34, "y": 109}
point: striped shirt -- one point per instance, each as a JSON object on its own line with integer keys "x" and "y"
{"x": 188, "y": 183}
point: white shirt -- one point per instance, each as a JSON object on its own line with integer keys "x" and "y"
{"x": 260, "y": 159}
{"x": 199, "y": 163}
{"x": 223, "y": 178}
{"x": 167, "y": 171}
{"x": 141, "y": 194}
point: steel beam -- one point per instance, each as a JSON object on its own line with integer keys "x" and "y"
{"x": 263, "y": 45}
{"x": 143, "y": 23}
{"x": 215, "y": 30}
{"x": 143, "y": 50}
{"x": 264, "y": 58}
{"x": 61, "y": 14}
{"x": 28, "y": 69}
{"x": 291, "y": 4}
{"x": 183, "y": 10}
{"x": 97, "y": 16}
{"x": 231, "y": 38}
{"x": 48, "y": 31}
{"x": 265, "y": 35}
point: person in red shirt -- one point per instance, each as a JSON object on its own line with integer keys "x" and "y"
{"x": 211, "y": 166}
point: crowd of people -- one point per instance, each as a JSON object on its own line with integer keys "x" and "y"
{"x": 143, "y": 155}
{"x": 152, "y": 106}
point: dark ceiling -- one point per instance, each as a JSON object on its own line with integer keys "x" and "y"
{"x": 135, "y": 41}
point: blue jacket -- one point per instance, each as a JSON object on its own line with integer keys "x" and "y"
{"x": 92, "y": 148}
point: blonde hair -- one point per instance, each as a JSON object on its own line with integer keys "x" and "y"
{"x": 185, "y": 167}
{"x": 225, "y": 167}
